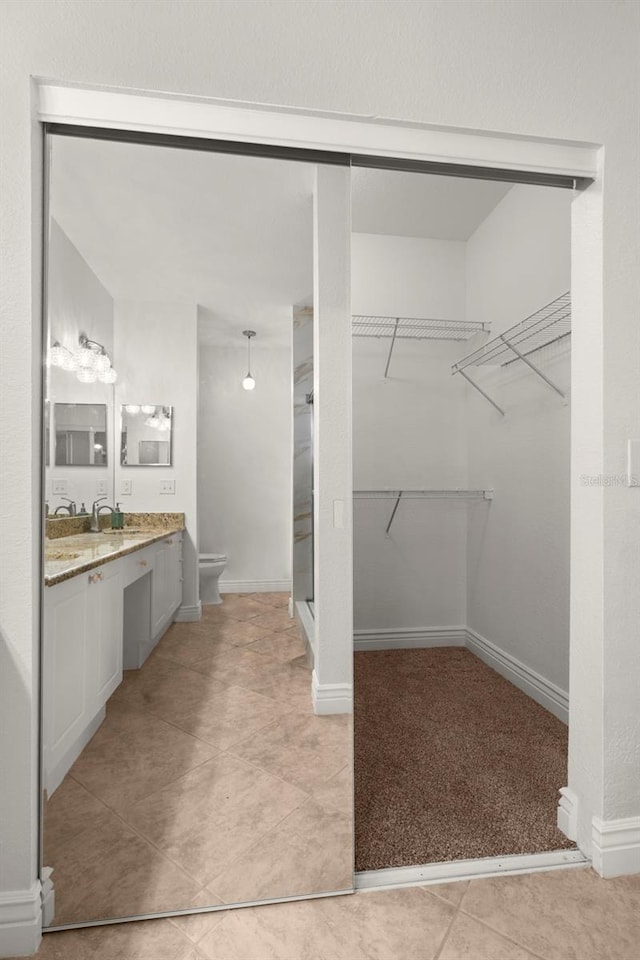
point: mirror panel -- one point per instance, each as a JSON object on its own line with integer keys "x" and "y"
{"x": 146, "y": 435}
{"x": 81, "y": 435}
{"x": 184, "y": 765}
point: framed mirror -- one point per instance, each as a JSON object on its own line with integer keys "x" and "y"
{"x": 80, "y": 435}
{"x": 146, "y": 435}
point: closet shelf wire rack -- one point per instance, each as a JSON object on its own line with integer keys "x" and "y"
{"x": 413, "y": 328}
{"x": 544, "y": 327}
{"x": 452, "y": 494}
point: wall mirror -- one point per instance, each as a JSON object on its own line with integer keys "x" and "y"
{"x": 81, "y": 435}
{"x": 184, "y": 767}
{"x": 145, "y": 435}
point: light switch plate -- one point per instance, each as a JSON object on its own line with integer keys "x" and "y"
{"x": 167, "y": 486}
{"x": 126, "y": 488}
{"x": 633, "y": 463}
{"x": 59, "y": 486}
{"x": 101, "y": 488}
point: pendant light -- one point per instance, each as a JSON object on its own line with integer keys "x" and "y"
{"x": 248, "y": 383}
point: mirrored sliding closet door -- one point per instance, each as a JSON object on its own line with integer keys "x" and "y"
{"x": 187, "y": 761}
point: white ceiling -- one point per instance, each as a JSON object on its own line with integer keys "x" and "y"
{"x": 232, "y": 234}
{"x": 421, "y": 205}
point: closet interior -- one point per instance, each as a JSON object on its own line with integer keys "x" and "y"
{"x": 461, "y": 376}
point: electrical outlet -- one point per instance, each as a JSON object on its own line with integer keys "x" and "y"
{"x": 167, "y": 486}
{"x": 101, "y": 488}
{"x": 59, "y": 486}
{"x": 125, "y": 488}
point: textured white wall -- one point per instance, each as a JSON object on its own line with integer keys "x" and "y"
{"x": 518, "y": 561}
{"x": 408, "y": 432}
{"x": 157, "y": 347}
{"x": 570, "y": 72}
{"x": 244, "y": 460}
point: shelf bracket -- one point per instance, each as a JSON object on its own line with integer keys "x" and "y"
{"x": 393, "y": 342}
{"x": 533, "y": 367}
{"x": 480, "y": 390}
{"x": 393, "y": 513}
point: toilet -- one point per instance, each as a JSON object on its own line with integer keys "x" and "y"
{"x": 211, "y": 566}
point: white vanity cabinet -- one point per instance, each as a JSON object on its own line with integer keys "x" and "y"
{"x": 82, "y": 663}
{"x": 86, "y": 626}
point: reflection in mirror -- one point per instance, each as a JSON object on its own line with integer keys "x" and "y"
{"x": 145, "y": 438}
{"x": 81, "y": 434}
{"x": 184, "y": 763}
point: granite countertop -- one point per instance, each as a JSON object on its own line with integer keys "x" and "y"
{"x": 66, "y": 557}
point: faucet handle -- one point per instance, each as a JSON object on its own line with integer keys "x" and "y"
{"x": 96, "y": 502}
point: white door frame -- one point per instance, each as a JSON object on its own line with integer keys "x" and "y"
{"x": 252, "y": 123}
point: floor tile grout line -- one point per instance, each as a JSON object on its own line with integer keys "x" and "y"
{"x": 146, "y": 839}
{"x": 500, "y": 933}
{"x": 456, "y": 911}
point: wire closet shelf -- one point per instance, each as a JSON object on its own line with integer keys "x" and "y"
{"x": 413, "y": 328}
{"x": 398, "y": 495}
{"x": 544, "y": 327}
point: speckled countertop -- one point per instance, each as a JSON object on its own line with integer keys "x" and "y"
{"x": 65, "y": 557}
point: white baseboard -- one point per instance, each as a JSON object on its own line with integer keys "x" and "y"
{"x": 568, "y": 813}
{"x": 405, "y": 639}
{"x": 547, "y": 694}
{"x": 20, "y": 921}
{"x": 189, "y": 614}
{"x": 330, "y": 698}
{"x": 307, "y": 624}
{"x": 616, "y": 846}
{"x": 255, "y": 586}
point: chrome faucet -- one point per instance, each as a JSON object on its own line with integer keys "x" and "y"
{"x": 95, "y": 514}
{"x": 70, "y": 507}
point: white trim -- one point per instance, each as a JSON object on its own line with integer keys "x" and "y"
{"x": 331, "y": 697}
{"x": 53, "y": 777}
{"x": 255, "y": 586}
{"x": 151, "y": 111}
{"x": 568, "y": 813}
{"x": 547, "y": 694}
{"x": 20, "y": 921}
{"x": 405, "y": 639}
{"x": 307, "y": 624}
{"x": 189, "y": 614}
{"x": 616, "y": 846}
{"x": 451, "y": 870}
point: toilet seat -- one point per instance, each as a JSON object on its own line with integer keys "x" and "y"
{"x": 213, "y": 557}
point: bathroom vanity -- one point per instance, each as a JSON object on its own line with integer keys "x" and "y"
{"x": 109, "y": 597}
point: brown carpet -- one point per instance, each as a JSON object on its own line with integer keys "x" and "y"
{"x": 451, "y": 761}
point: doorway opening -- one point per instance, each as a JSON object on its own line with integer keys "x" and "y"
{"x": 461, "y": 452}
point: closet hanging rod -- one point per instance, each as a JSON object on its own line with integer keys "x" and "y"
{"x": 398, "y": 495}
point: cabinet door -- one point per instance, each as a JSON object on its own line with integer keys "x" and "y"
{"x": 66, "y": 702}
{"x": 105, "y": 626}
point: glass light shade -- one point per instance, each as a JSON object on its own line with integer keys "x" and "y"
{"x": 68, "y": 361}
{"x": 87, "y": 375}
{"x": 248, "y": 383}
{"x": 132, "y": 408}
{"x": 103, "y": 363}
{"x": 86, "y": 359}
{"x": 56, "y": 355}
{"x": 109, "y": 376}
{"x": 147, "y": 409}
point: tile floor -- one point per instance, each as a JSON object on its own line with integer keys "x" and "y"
{"x": 210, "y": 781}
{"x": 560, "y": 915}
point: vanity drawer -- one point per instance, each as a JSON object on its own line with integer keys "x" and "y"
{"x": 137, "y": 564}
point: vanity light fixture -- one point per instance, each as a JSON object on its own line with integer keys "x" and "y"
{"x": 132, "y": 408}
{"x": 90, "y": 362}
{"x": 248, "y": 383}
{"x": 148, "y": 409}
